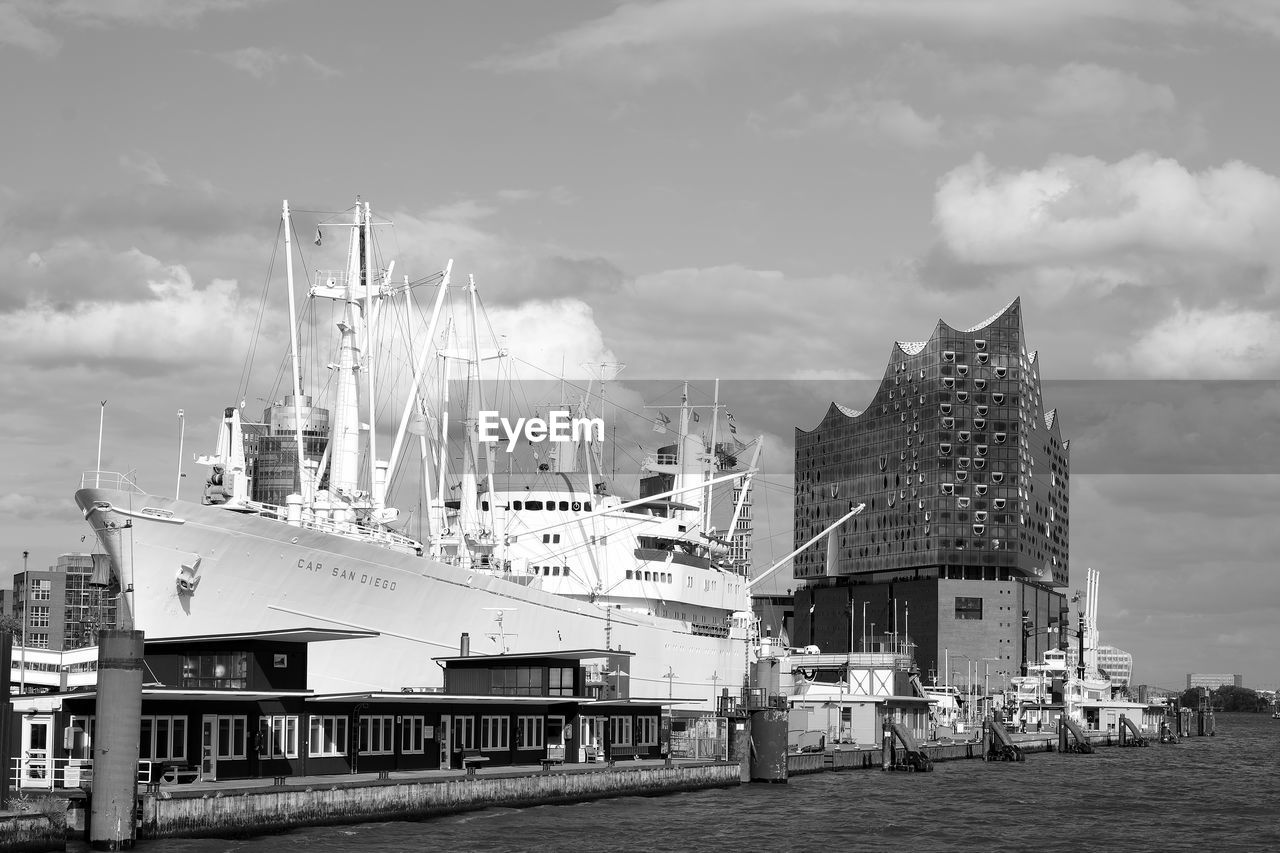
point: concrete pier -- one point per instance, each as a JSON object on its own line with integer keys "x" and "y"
{"x": 226, "y": 810}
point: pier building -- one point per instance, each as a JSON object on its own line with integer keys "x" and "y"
{"x": 961, "y": 555}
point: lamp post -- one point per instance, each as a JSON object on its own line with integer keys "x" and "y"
{"x": 26, "y": 608}
{"x": 968, "y": 687}
{"x": 670, "y": 677}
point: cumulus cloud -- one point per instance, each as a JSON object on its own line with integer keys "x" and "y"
{"x": 1220, "y": 343}
{"x": 1080, "y": 207}
{"x": 174, "y": 327}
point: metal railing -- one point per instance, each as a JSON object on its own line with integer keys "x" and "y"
{"x": 693, "y": 746}
{"x": 112, "y": 481}
{"x": 47, "y": 774}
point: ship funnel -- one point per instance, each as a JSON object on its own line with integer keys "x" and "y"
{"x": 464, "y": 645}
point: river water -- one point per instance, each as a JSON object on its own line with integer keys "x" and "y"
{"x": 1206, "y": 794}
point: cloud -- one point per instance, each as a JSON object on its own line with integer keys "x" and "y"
{"x": 28, "y": 507}
{"x": 1225, "y": 343}
{"x": 1082, "y": 207}
{"x": 167, "y": 331}
{"x": 649, "y": 41}
{"x": 884, "y": 119}
{"x": 28, "y": 24}
{"x": 262, "y": 63}
{"x": 18, "y": 30}
{"x": 1086, "y": 90}
{"x": 146, "y": 166}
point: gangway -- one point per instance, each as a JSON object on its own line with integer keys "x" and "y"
{"x": 1080, "y": 744}
{"x": 1000, "y": 746}
{"x": 915, "y": 761}
{"x": 1127, "y": 728}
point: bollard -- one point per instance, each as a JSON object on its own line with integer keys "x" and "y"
{"x": 6, "y": 717}
{"x": 115, "y": 745}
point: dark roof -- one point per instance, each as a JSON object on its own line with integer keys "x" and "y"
{"x": 561, "y": 654}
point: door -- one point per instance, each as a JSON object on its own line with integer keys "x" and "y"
{"x": 555, "y": 736}
{"x": 36, "y": 769}
{"x": 209, "y": 748}
{"x": 446, "y": 738}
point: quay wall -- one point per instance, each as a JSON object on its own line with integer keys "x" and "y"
{"x": 254, "y": 811}
{"x": 24, "y": 832}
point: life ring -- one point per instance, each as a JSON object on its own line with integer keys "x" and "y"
{"x": 577, "y": 506}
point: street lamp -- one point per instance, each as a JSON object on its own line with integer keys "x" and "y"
{"x": 670, "y": 677}
{"x": 26, "y": 608}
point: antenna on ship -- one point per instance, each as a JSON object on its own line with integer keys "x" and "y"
{"x": 501, "y": 636}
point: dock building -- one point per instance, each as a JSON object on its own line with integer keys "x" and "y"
{"x": 961, "y": 554}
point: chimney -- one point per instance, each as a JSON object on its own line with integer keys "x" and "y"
{"x": 464, "y": 647}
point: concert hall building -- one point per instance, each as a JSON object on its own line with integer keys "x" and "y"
{"x": 965, "y": 476}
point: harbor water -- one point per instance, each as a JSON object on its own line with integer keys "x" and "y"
{"x": 1207, "y": 793}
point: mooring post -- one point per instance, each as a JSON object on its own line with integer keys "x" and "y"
{"x": 986, "y": 737}
{"x": 115, "y": 744}
{"x": 6, "y": 712}
{"x": 1062, "y": 734}
{"x": 886, "y": 747}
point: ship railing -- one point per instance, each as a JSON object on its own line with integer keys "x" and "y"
{"x": 112, "y": 481}
{"x": 45, "y": 773}
{"x": 310, "y": 521}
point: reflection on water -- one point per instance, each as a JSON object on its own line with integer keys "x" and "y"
{"x": 1205, "y": 794}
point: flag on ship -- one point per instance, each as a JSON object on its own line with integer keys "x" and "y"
{"x": 660, "y": 424}
{"x": 696, "y": 418}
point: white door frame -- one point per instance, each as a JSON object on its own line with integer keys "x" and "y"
{"x": 446, "y": 741}
{"x": 209, "y": 748}
{"x": 37, "y": 762}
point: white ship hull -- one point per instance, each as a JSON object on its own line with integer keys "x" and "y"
{"x": 193, "y": 570}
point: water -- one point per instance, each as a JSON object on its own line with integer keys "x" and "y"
{"x": 1205, "y": 794}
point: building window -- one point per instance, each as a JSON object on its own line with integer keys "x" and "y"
{"x": 646, "y": 731}
{"x": 328, "y": 737}
{"x": 968, "y": 607}
{"x": 224, "y": 670}
{"x": 233, "y": 732}
{"x": 495, "y": 733}
{"x": 529, "y": 733}
{"x": 414, "y": 735}
{"x": 41, "y": 590}
{"x": 375, "y": 736}
{"x": 38, "y": 617}
{"x": 464, "y": 733}
{"x": 163, "y": 739}
{"x": 620, "y": 731}
{"x": 278, "y": 737}
{"x": 516, "y": 681}
{"x": 560, "y": 681}
{"x": 38, "y": 640}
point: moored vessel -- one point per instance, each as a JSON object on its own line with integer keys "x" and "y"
{"x": 295, "y": 527}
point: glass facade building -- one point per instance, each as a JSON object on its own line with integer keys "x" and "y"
{"x": 965, "y": 476}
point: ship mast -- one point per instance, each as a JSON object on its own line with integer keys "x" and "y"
{"x": 295, "y": 360}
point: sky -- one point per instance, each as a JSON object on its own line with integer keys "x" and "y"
{"x": 766, "y": 192}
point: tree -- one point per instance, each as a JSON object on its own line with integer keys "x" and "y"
{"x": 1228, "y": 698}
{"x": 10, "y": 624}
